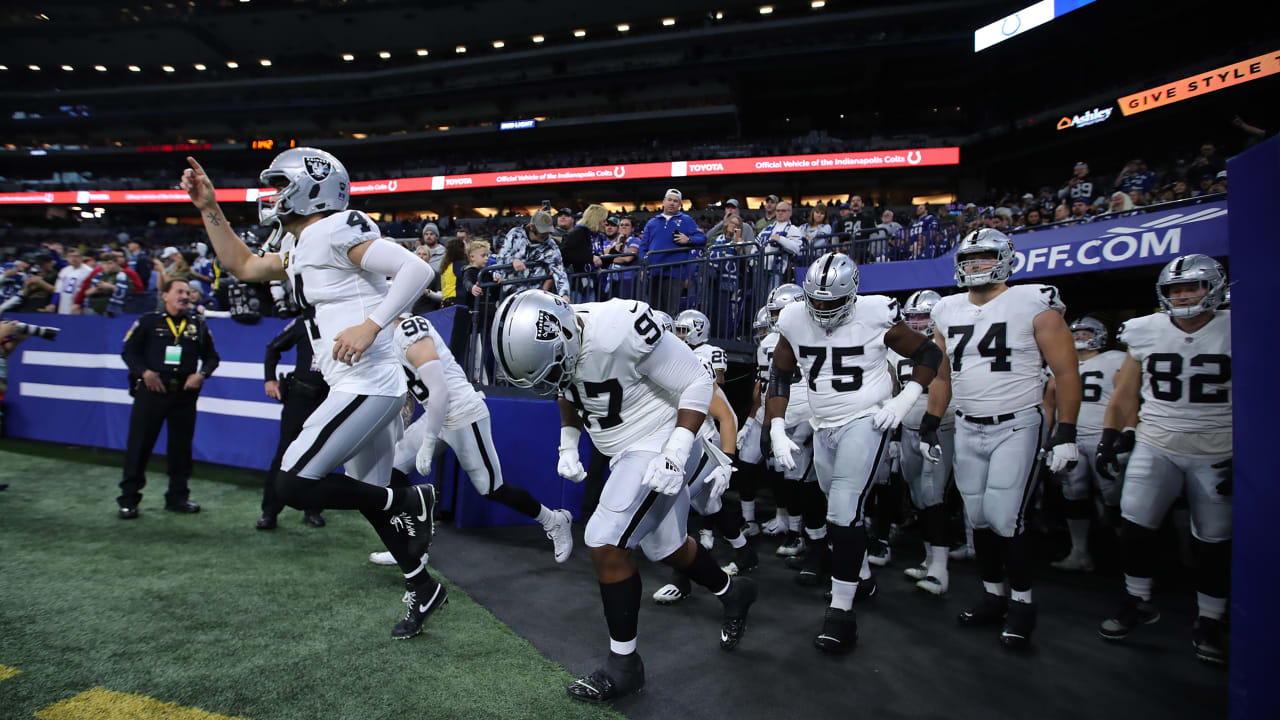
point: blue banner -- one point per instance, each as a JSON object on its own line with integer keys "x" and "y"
{"x": 1146, "y": 239}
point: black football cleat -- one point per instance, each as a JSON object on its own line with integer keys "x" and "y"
{"x": 423, "y": 600}
{"x": 745, "y": 559}
{"x": 266, "y": 522}
{"x": 128, "y": 513}
{"x": 621, "y": 675}
{"x": 737, "y": 602}
{"x": 1209, "y": 637}
{"x": 1018, "y": 625}
{"x": 988, "y": 612}
{"x": 186, "y": 506}
{"x": 417, "y": 521}
{"x": 839, "y": 632}
{"x": 815, "y": 568}
{"x": 1133, "y": 613}
{"x": 866, "y": 589}
{"x": 315, "y": 520}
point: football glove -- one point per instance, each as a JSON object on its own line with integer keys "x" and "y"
{"x": 930, "y": 446}
{"x": 665, "y": 473}
{"x": 717, "y": 483}
{"x": 743, "y": 431}
{"x": 1107, "y": 456}
{"x": 426, "y": 453}
{"x": 569, "y": 466}
{"x": 1063, "y": 453}
{"x": 782, "y": 448}
{"x": 889, "y": 416}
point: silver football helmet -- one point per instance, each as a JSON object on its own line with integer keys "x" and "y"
{"x": 981, "y": 241}
{"x": 831, "y": 289}
{"x": 1093, "y": 325}
{"x": 307, "y": 181}
{"x": 1188, "y": 269}
{"x": 782, "y": 296}
{"x": 919, "y": 309}
{"x": 664, "y": 320}
{"x": 762, "y": 325}
{"x": 692, "y": 327}
{"x": 536, "y": 338}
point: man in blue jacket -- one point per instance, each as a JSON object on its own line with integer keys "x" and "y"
{"x": 679, "y": 236}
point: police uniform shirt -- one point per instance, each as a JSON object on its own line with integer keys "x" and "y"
{"x": 305, "y": 370}
{"x": 995, "y": 360}
{"x": 335, "y": 294}
{"x": 173, "y": 347}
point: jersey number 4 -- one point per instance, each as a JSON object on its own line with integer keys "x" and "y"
{"x": 846, "y": 379}
{"x": 613, "y": 415}
{"x": 1165, "y": 370}
{"x": 305, "y": 309}
{"x": 993, "y": 345}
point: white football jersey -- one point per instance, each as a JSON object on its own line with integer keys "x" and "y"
{"x": 68, "y": 284}
{"x": 902, "y": 367}
{"x": 798, "y": 409}
{"x": 1186, "y": 377}
{"x": 1097, "y": 380}
{"x": 618, "y": 405}
{"x": 995, "y": 361}
{"x": 335, "y": 294}
{"x": 846, "y": 372}
{"x": 466, "y": 405}
{"x": 710, "y": 354}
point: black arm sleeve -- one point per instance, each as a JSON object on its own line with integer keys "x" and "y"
{"x": 286, "y": 340}
{"x": 928, "y": 355}
{"x": 134, "y": 352}
{"x": 209, "y": 357}
{"x": 780, "y": 382}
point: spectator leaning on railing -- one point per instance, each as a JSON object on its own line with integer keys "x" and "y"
{"x": 817, "y": 232}
{"x": 782, "y": 242}
{"x": 731, "y": 209}
{"x": 665, "y": 234}
{"x": 531, "y": 244}
{"x": 770, "y": 207}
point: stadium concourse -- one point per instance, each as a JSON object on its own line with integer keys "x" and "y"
{"x": 722, "y": 360}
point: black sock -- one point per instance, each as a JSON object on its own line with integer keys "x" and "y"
{"x": 848, "y": 544}
{"x": 933, "y": 523}
{"x": 396, "y": 543}
{"x": 781, "y": 491}
{"x": 795, "y": 498}
{"x": 1138, "y": 550}
{"x": 1018, "y": 561}
{"x": 745, "y": 480}
{"x": 888, "y": 509}
{"x": 989, "y": 555}
{"x": 1076, "y": 509}
{"x": 333, "y": 492}
{"x": 516, "y": 498}
{"x": 1213, "y": 570}
{"x": 815, "y": 506}
{"x": 622, "y": 607}
{"x": 399, "y": 479}
{"x": 704, "y": 571}
{"x": 728, "y": 522}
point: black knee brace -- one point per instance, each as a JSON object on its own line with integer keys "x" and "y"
{"x": 988, "y": 547}
{"x": 1213, "y": 567}
{"x": 1138, "y": 549}
{"x": 848, "y": 543}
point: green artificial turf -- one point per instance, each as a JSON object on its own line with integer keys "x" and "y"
{"x": 204, "y": 611}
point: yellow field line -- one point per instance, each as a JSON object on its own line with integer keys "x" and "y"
{"x": 102, "y": 704}
{"x": 7, "y": 672}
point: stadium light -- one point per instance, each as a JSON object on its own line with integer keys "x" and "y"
{"x": 348, "y": 57}
{"x": 719, "y": 15}
{"x": 537, "y": 39}
{"x": 384, "y": 55}
{"x": 264, "y": 62}
{"x": 100, "y": 68}
{"x": 498, "y": 44}
{"x": 422, "y": 52}
{"x": 668, "y": 22}
{"x": 34, "y": 68}
{"x": 233, "y": 64}
{"x": 134, "y": 68}
{"x": 816, "y": 4}
{"x": 579, "y": 33}
{"x": 167, "y": 68}
{"x": 623, "y": 27}
{"x": 68, "y": 68}
{"x": 200, "y": 66}
{"x": 461, "y": 49}
{"x": 3, "y": 68}
{"x": 766, "y": 9}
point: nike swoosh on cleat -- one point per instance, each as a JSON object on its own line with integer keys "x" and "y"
{"x": 827, "y": 637}
{"x": 423, "y": 516}
{"x": 724, "y": 637}
{"x": 423, "y": 607}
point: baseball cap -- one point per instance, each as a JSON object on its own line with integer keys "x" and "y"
{"x": 845, "y": 206}
{"x": 1222, "y": 175}
{"x": 611, "y": 220}
{"x": 731, "y": 202}
{"x": 432, "y": 227}
{"x": 1082, "y": 164}
{"x": 565, "y": 211}
{"x": 771, "y": 198}
{"x": 541, "y": 222}
{"x": 672, "y": 191}
{"x": 1004, "y": 212}
{"x": 168, "y": 251}
{"x": 1028, "y": 196}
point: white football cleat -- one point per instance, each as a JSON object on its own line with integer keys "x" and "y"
{"x": 706, "y": 539}
{"x": 670, "y": 594}
{"x": 775, "y": 526}
{"x": 382, "y": 558}
{"x": 919, "y": 572}
{"x": 933, "y": 585}
{"x": 1075, "y": 561}
{"x": 561, "y": 534}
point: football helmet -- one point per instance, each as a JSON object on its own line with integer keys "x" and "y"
{"x": 980, "y": 241}
{"x": 306, "y": 181}
{"x": 1093, "y": 325}
{"x": 831, "y": 289}
{"x": 762, "y": 325}
{"x": 536, "y": 338}
{"x": 692, "y": 327}
{"x": 1187, "y": 269}
{"x": 920, "y": 303}
{"x": 782, "y": 296}
{"x": 664, "y": 320}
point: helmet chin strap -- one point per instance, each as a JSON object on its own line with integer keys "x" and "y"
{"x": 275, "y": 238}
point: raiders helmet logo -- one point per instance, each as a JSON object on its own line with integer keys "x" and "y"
{"x": 317, "y": 167}
{"x": 548, "y": 327}
{"x": 698, "y": 326}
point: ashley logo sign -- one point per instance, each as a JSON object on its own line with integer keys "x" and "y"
{"x": 1089, "y": 117}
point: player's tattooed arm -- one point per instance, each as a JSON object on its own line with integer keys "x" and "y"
{"x": 940, "y": 388}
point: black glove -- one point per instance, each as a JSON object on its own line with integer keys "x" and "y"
{"x": 1107, "y": 462}
{"x": 930, "y": 446}
{"x": 766, "y": 443}
{"x": 1224, "y": 469}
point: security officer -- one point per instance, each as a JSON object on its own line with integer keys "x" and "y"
{"x": 162, "y": 350}
{"x": 301, "y": 391}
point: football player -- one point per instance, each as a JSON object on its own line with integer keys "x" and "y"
{"x": 749, "y": 458}
{"x": 693, "y": 327}
{"x": 643, "y": 396}
{"x": 336, "y": 264}
{"x": 926, "y": 480}
{"x": 454, "y": 411}
{"x": 1176, "y": 380}
{"x": 994, "y": 336}
{"x": 1098, "y": 367}
{"x": 837, "y": 342}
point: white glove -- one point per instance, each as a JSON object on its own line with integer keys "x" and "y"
{"x": 895, "y": 449}
{"x": 1062, "y": 456}
{"x": 717, "y": 483}
{"x": 742, "y": 432}
{"x": 569, "y": 466}
{"x": 426, "y": 453}
{"x": 665, "y": 473}
{"x": 890, "y": 415}
{"x": 783, "y": 449}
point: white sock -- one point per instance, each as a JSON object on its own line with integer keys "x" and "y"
{"x": 999, "y": 588}
{"x": 390, "y": 496}
{"x": 1022, "y": 596}
{"x": 622, "y": 648}
{"x": 1138, "y": 587}
{"x": 1214, "y": 608}
{"x": 749, "y": 510}
{"x": 1079, "y": 528}
{"x": 818, "y": 533}
{"x": 938, "y": 562}
{"x": 865, "y": 572}
{"x": 545, "y": 517}
{"x": 737, "y": 542}
{"x": 784, "y": 520}
{"x": 793, "y": 523}
{"x": 842, "y": 593}
{"x": 422, "y": 568}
